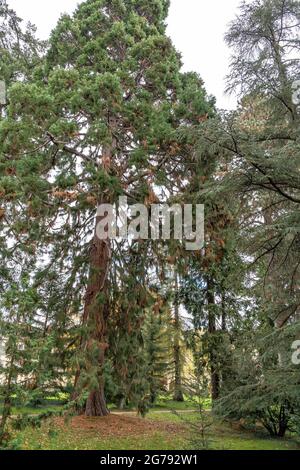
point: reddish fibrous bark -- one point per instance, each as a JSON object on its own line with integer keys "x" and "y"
{"x": 95, "y": 318}
{"x": 96, "y": 309}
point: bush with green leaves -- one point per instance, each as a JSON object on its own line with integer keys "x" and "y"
{"x": 265, "y": 384}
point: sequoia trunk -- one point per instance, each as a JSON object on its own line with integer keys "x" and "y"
{"x": 95, "y": 319}
{"x": 96, "y": 308}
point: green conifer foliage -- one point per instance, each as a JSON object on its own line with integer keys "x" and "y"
{"x": 105, "y": 114}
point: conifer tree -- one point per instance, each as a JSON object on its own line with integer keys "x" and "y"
{"x": 101, "y": 117}
{"x": 259, "y": 159}
{"x": 20, "y": 51}
{"x": 157, "y": 333}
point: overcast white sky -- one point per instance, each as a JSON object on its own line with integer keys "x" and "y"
{"x": 196, "y": 27}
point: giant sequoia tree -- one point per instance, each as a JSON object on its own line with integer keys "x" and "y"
{"x": 102, "y": 116}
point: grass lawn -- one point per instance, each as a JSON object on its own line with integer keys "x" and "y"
{"x": 167, "y": 404}
{"x": 48, "y": 405}
{"x": 224, "y": 437}
{"x": 159, "y": 431}
{"x": 187, "y": 404}
{"x": 23, "y": 410}
{"x": 53, "y": 404}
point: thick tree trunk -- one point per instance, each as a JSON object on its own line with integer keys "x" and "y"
{"x": 95, "y": 318}
{"x": 96, "y": 403}
{"x": 93, "y": 341}
{"x": 96, "y": 308}
{"x": 178, "y": 394}
{"x": 215, "y": 379}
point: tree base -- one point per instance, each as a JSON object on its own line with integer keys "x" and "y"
{"x": 96, "y": 405}
{"x": 178, "y": 396}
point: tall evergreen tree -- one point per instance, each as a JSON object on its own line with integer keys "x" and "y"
{"x": 259, "y": 149}
{"x": 157, "y": 332}
{"x": 101, "y": 118}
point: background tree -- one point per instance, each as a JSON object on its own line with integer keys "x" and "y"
{"x": 258, "y": 145}
{"x": 157, "y": 340}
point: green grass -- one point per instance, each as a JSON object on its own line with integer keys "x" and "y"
{"x": 48, "y": 405}
{"x": 167, "y": 404}
{"x": 187, "y": 404}
{"x": 29, "y": 410}
{"x": 56, "y": 404}
{"x": 222, "y": 437}
{"x": 33, "y": 440}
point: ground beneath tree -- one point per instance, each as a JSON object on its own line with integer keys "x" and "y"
{"x": 159, "y": 431}
{"x": 117, "y": 426}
